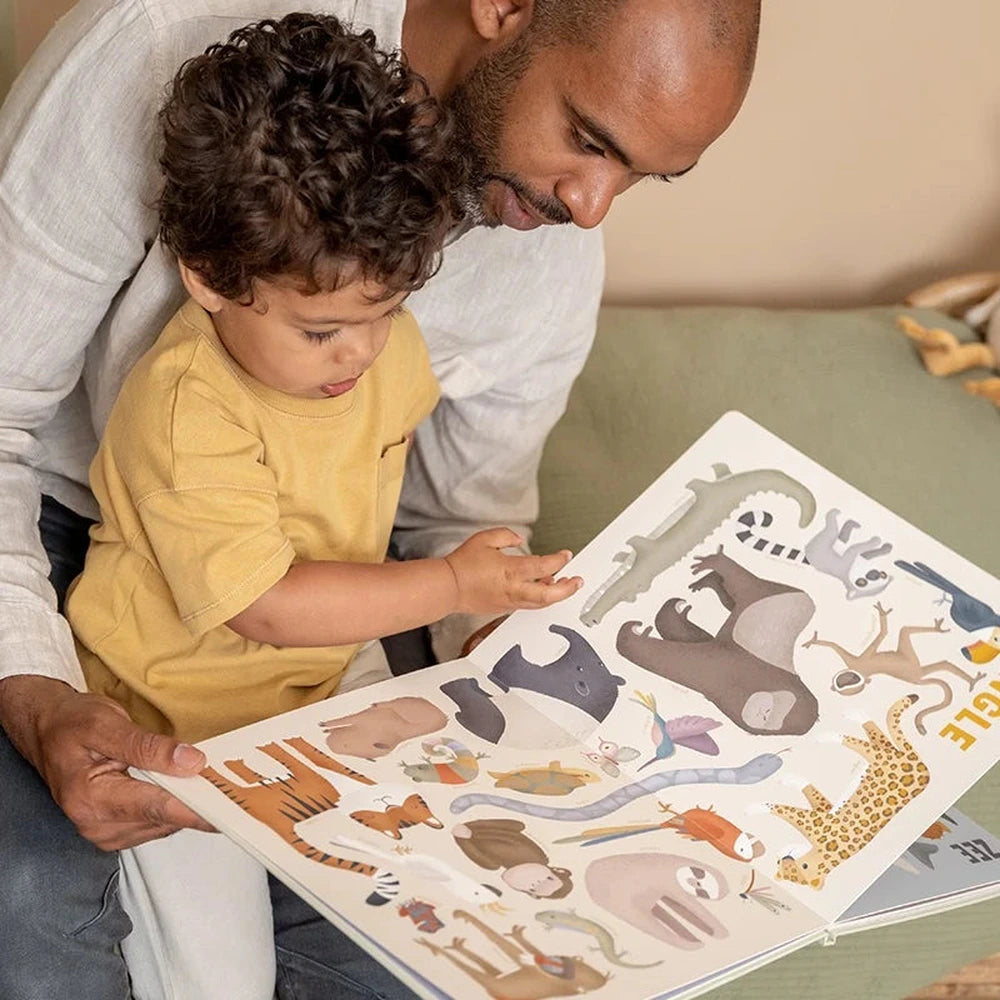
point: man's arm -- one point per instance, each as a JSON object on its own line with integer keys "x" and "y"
{"x": 76, "y": 188}
{"x": 509, "y": 321}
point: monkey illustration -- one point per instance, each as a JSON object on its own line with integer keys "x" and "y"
{"x": 901, "y": 663}
{"x": 747, "y": 669}
{"x": 502, "y": 844}
{"x": 823, "y": 552}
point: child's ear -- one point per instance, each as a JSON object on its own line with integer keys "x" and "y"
{"x": 500, "y": 20}
{"x": 210, "y": 300}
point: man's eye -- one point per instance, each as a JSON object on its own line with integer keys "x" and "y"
{"x": 585, "y": 144}
{"x": 319, "y": 336}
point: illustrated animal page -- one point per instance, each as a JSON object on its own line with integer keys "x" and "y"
{"x": 768, "y": 689}
{"x": 758, "y": 616}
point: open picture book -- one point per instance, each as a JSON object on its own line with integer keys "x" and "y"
{"x": 745, "y": 733}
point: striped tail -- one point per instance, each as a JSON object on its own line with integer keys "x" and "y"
{"x": 386, "y": 888}
{"x": 752, "y": 520}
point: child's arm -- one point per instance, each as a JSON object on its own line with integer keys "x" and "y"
{"x": 335, "y": 603}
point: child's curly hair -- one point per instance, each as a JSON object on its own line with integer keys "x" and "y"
{"x": 298, "y": 148}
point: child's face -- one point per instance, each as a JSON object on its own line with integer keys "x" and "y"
{"x": 307, "y": 345}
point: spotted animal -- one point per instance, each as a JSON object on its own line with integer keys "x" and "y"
{"x": 895, "y": 775}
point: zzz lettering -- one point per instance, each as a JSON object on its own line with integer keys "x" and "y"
{"x": 976, "y": 851}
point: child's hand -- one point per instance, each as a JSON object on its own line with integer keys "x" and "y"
{"x": 490, "y": 581}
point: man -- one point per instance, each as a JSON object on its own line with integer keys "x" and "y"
{"x": 561, "y": 105}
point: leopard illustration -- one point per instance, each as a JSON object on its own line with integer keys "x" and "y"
{"x": 895, "y": 775}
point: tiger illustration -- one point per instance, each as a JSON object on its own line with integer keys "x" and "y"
{"x": 389, "y": 812}
{"x": 282, "y": 803}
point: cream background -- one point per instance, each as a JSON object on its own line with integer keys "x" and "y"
{"x": 866, "y": 161}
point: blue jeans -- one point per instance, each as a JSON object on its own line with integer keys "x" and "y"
{"x": 61, "y": 923}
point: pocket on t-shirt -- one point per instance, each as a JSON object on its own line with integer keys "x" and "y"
{"x": 391, "y": 466}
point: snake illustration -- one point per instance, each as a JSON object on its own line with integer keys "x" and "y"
{"x": 750, "y": 773}
{"x": 568, "y": 920}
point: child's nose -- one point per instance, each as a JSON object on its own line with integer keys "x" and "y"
{"x": 358, "y": 352}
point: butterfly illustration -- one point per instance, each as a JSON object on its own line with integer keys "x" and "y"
{"x": 609, "y": 755}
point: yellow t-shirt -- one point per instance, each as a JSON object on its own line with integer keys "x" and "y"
{"x": 211, "y": 485}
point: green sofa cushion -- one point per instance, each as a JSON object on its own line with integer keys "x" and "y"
{"x": 847, "y": 389}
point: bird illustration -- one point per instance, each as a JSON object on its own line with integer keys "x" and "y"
{"x": 983, "y": 650}
{"x": 967, "y": 612}
{"x": 689, "y": 731}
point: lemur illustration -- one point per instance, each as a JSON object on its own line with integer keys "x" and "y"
{"x": 821, "y": 553}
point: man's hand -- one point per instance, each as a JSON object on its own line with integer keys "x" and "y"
{"x": 490, "y": 581}
{"x": 82, "y": 745}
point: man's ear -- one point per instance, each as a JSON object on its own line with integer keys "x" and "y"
{"x": 210, "y": 300}
{"x": 500, "y": 20}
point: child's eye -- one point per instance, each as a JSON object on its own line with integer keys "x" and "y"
{"x": 319, "y": 336}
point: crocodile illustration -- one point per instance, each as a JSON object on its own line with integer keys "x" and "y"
{"x": 712, "y": 502}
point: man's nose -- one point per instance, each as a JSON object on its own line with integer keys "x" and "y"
{"x": 588, "y": 196}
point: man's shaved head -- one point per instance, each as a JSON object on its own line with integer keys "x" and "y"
{"x": 728, "y": 22}
{"x": 643, "y": 85}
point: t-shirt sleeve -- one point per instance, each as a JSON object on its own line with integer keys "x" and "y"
{"x": 423, "y": 388}
{"x": 213, "y": 528}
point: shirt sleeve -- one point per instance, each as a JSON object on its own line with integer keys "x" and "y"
{"x": 76, "y": 176}
{"x": 214, "y": 526}
{"x": 424, "y": 391}
{"x": 475, "y": 461}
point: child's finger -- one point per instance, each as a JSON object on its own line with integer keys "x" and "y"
{"x": 534, "y": 594}
{"x": 499, "y": 538}
{"x": 540, "y": 567}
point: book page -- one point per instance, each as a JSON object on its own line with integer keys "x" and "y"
{"x": 784, "y": 652}
{"x": 953, "y": 857}
{"x": 702, "y": 758}
{"x": 428, "y": 836}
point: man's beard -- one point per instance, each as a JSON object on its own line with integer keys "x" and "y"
{"x": 478, "y": 105}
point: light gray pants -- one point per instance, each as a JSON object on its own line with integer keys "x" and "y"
{"x": 200, "y": 908}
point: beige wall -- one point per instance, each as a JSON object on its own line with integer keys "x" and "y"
{"x": 7, "y": 54}
{"x": 866, "y": 160}
{"x": 32, "y": 19}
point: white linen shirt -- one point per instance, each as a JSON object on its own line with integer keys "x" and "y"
{"x": 85, "y": 288}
